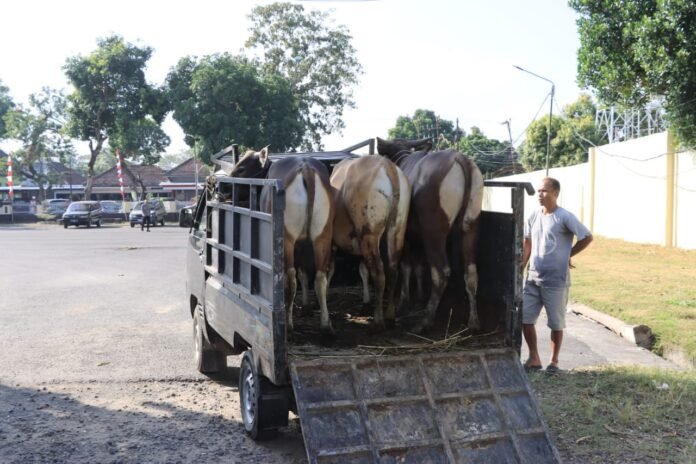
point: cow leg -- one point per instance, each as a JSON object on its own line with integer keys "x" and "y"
{"x": 405, "y": 294}
{"x": 290, "y": 278}
{"x": 436, "y": 257}
{"x": 304, "y": 283}
{"x": 470, "y": 243}
{"x": 419, "y": 271}
{"x": 364, "y": 276}
{"x": 369, "y": 248}
{"x": 322, "y": 263}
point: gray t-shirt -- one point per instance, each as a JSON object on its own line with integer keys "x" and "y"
{"x": 552, "y": 239}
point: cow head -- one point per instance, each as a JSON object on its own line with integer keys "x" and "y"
{"x": 252, "y": 165}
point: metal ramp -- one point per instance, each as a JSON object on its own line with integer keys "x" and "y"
{"x": 455, "y": 407}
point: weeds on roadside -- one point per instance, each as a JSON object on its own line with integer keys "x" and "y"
{"x": 619, "y": 415}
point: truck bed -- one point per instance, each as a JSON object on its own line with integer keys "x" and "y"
{"x": 355, "y": 337}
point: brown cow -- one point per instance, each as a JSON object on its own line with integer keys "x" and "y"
{"x": 446, "y": 198}
{"x": 309, "y": 215}
{"x": 372, "y": 197}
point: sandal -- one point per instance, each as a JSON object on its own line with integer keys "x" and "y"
{"x": 529, "y": 368}
{"x": 553, "y": 369}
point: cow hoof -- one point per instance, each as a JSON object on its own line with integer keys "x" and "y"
{"x": 327, "y": 331}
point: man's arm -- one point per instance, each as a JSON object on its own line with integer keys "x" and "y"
{"x": 526, "y": 251}
{"x": 580, "y": 245}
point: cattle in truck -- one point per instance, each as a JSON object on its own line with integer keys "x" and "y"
{"x": 309, "y": 217}
{"x": 372, "y": 197}
{"x": 443, "y": 223}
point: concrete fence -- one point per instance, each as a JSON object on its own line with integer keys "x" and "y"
{"x": 641, "y": 190}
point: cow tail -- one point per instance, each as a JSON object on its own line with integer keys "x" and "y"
{"x": 396, "y": 194}
{"x": 308, "y": 180}
{"x": 456, "y": 243}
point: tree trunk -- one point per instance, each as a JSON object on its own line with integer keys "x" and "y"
{"x": 93, "y": 153}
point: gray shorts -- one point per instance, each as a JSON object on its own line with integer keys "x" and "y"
{"x": 553, "y": 299}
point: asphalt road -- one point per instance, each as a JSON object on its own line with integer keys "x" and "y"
{"x": 93, "y": 304}
{"x": 97, "y": 361}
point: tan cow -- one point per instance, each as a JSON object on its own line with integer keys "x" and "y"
{"x": 309, "y": 217}
{"x": 372, "y": 197}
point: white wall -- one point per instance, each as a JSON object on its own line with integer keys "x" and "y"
{"x": 628, "y": 197}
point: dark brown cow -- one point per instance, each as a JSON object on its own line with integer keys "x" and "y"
{"x": 446, "y": 198}
{"x": 309, "y": 215}
{"x": 372, "y": 197}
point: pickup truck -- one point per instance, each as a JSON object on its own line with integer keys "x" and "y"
{"x": 451, "y": 396}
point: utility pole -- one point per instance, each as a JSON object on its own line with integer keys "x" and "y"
{"x": 512, "y": 150}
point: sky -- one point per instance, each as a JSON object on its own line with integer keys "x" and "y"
{"x": 454, "y": 57}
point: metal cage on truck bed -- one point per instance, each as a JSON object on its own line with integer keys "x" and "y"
{"x": 463, "y": 405}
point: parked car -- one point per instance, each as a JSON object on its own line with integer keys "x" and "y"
{"x": 111, "y": 207}
{"x": 82, "y": 213}
{"x": 157, "y": 212}
{"x": 57, "y": 206}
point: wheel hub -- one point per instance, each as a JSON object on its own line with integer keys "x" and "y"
{"x": 249, "y": 396}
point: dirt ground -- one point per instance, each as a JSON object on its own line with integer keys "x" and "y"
{"x": 174, "y": 421}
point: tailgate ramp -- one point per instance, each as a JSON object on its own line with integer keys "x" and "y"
{"x": 455, "y": 407}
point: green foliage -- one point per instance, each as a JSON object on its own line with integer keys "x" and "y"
{"x": 39, "y": 130}
{"x": 171, "y": 160}
{"x": 318, "y": 61}
{"x": 493, "y": 157}
{"x": 112, "y": 100}
{"x": 221, "y": 99}
{"x": 635, "y": 50}
{"x": 423, "y": 123}
{"x": 6, "y": 104}
{"x": 572, "y": 132}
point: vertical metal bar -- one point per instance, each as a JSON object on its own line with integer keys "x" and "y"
{"x": 279, "y": 318}
{"x": 515, "y": 319}
{"x": 447, "y": 445}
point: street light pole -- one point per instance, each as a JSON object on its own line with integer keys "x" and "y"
{"x": 548, "y": 130}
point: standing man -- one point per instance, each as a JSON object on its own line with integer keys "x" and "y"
{"x": 146, "y": 216}
{"x": 548, "y": 247}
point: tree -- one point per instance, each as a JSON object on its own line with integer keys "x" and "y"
{"x": 632, "y": 51}
{"x": 38, "y": 129}
{"x": 318, "y": 60}
{"x": 171, "y": 160}
{"x": 493, "y": 157}
{"x": 113, "y": 101}
{"x": 423, "y": 124}
{"x": 220, "y": 99}
{"x": 6, "y": 104}
{"x": 572, "y": 133}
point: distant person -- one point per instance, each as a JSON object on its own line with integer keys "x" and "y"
{"x": 146, "y": 216}
{"x": 548, "y": 241}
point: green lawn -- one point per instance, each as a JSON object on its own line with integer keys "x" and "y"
{"x": 641, "y": 284}
{"x": 620, "y": 415}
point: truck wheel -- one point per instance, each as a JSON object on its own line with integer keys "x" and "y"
{"x": 208, "y": 360}
{"x": 132, "y": 225}
{"x": 162, "y": 222}
{"x": 89, "y": 223}
{"x": 255, "y": 410}
{"x": 99, "y": 223}
{"x": 65, "y": 225}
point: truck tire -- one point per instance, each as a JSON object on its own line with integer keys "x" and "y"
{"x": 132, "y": 225}
{"x": 208, "y": 360}
{"x": 251, "y": 389}
{"x": 65, "y": 225}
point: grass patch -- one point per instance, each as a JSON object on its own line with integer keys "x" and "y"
{"x": 641, "y": 284}
{"x": 619, "y": 415}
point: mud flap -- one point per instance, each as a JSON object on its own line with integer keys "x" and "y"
{"x": 455, "y": 407}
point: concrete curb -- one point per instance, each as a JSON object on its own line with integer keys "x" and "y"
{"x": 641, "y": 335}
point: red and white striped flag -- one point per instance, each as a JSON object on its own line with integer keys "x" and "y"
{"x": 9, "y": 175}
{"x": 120, "y": 174}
